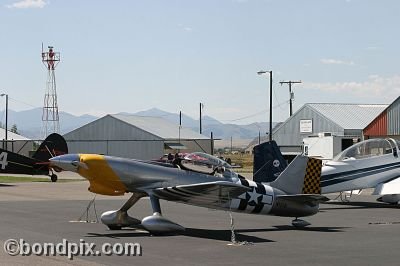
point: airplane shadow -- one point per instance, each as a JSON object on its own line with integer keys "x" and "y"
{"x": 292, "y": 228}
{"x": 220, "y": 235}
{"x": 223, "y": 235}
{"x": 359, "y": 205}
{"x": 6, "y": 185}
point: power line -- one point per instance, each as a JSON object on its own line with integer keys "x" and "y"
{"x": 18, "y": 101}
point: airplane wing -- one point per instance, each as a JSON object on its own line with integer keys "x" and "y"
{"x": 389, "y": 191}
{"x": 389, "y": 187}
{"x": 213, "y": 194}
{"x": 304, "y": 198}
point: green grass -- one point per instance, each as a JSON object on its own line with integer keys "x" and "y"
{"x": 244, "y": 160}
{"x": 21, "y": 179}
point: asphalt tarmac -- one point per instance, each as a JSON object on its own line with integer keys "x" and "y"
{"x": 361, "y": 232}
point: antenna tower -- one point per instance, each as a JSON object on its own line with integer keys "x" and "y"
{"x": 50, "y": 118}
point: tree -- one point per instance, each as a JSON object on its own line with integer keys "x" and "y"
{"x": 14, "y": 129}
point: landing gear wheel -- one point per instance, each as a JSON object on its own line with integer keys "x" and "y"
{"x": 53, "y": 178}
{"x": 298, "y": 223}
{"x": 114, "y": 227}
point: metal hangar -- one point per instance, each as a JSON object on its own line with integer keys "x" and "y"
{"x": 138, "y": 137}
{"x": 386, "y": 124}
{"x": 344, "y": 120}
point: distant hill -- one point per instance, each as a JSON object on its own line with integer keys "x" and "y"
{"x": 209, "y": 124}
{"x": 29, "y": 123}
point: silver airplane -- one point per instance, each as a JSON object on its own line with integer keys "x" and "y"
{"x": 372, "y": 163}
{"x": 198, "y": 179}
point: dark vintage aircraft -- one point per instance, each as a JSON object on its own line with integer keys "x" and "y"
{"x": 198, "y": 179}
{"x": 13, "y": 163}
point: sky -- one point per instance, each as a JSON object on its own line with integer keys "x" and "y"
{"x": 131, "y": 55}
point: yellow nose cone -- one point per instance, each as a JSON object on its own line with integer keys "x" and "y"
{"x": 102, "y": 178}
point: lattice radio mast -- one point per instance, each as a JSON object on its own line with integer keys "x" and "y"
{"x": 50, "y": 118}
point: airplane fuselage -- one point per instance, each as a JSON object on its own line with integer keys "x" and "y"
{"x": 359, "y": 174}
{"x": 115, "y": 176}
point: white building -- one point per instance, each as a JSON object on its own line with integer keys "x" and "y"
{"x": 344, "y": 121}
{"x": 15, "y": 142}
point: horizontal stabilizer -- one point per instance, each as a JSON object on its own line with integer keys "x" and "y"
{"x": 304, "y": 198}
{"x": 213, "y": 194}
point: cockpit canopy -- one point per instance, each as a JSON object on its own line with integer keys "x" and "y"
{"x": 368, "y": 148}
{"x": 203, "y": 163}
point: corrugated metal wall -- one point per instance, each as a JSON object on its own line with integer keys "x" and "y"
{"x": 109, "y": 128}
{"x": 288, "y": 134}
{"x": 22, "y": 147}
{"x": 144, "y": 150}
{"x": 202, "y": 145}
{"x": 393, "y": 115}
{"x": 387, "y": 124}
{"x": 111, "y": 136}
{"x": 378, "y": 127}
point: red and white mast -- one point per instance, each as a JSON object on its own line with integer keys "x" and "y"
{"x": 50, "y": 117}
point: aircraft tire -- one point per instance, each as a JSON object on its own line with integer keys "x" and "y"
{"x": 53, "y": 178}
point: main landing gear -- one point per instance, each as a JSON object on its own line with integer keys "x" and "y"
{"x": 299, "y": 223}
{"x": 156, "y": 223}
{"x": 53, "y": 177}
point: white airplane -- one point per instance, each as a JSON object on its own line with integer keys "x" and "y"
{"x": 372, "y": 163}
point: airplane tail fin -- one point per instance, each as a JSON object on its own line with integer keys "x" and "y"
{"x": 268, "y": 162}
{"x": 302, "y": 176}
{"x": 52, "y": 146}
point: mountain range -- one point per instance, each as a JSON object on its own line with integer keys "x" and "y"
{"x": 29, "y": 123}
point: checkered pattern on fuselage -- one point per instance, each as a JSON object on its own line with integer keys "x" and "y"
{"x": 312, "y": 179}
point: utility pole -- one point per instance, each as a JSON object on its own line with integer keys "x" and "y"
{"x": 262, "y": 72}
{"x": 180, "y": 125}
{"x": 291, "y": 94}
{"x": 6, "y": 95}
{"x": 231, "y": 144}
{"x": 201, "y": 108}
{"x": 212, "y": 143}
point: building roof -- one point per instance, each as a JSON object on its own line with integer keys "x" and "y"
{"x": 159, "y": 127}
{"x": 10, "y": 135}
{"x": 349, "y": 116}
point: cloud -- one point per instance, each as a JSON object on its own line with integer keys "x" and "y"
{"x": 381, "y": 88}
{"x": 28, "y": 4}
{"x": 331, "y": 61}
{"x": 185, "y": 28}
{"x": 371, "y": 48}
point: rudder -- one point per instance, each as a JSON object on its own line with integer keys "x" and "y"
{"x": 312, "y": 178}
{"x": 302, "y": 176}
{"x": 268, "y": 162}
{"x": 52, "y": 146}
